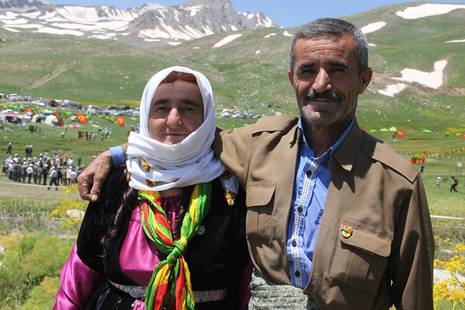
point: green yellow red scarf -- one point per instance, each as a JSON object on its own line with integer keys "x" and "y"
{"x": 170, "y": 284}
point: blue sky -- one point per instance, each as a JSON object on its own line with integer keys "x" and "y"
{"x": 287, "y": 13}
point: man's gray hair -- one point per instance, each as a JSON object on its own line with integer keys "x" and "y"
{"x": 333, "y": 27}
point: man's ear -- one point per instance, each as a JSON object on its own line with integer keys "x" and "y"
{"x": 365, "y": 79}
{"x": 290, "y": 75}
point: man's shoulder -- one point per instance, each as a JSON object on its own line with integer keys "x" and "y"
{"x": 274, "y": 123}
{"x": 382, "y": 152}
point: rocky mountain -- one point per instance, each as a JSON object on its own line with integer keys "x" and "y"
{"x": 147, "y": 7}
{"x": 196, "y": 19}
{"x": 145, "y": 24}
{"x": 22, "y": 5}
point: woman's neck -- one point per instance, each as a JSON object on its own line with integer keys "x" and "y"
{"x": 171, "y": 192}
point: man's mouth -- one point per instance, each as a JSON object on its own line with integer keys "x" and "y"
{"x": 328, "y": 96}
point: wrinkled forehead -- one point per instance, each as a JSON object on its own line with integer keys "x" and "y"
{"x": 193, "y": 77}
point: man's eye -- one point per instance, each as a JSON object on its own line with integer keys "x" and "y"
{"x": 338, "y": 69}
{"x": 307, "y": 71}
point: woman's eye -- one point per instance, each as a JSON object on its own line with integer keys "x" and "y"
{"x": 160, "y": 109}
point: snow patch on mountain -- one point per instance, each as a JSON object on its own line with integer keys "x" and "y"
{"x": 194, "y": 9}
{"x": 456, "y": 41}
{"x": 227, "y": 40}
{"x": 429, "y": 9}
{"x": 392, "y": 90}
{"x": 432, "y": 79}
{"x": 373, "y": 27}
{"x": 287, "y": 34}
{"x": 10, "y": 29}
{"x": 147, "y": 7}
{"x": 51, "y": 30}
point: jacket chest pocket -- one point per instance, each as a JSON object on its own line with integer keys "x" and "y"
{"x": 360, "y": 260}
{"x": 259, "y": 202}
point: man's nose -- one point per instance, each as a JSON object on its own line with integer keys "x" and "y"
{"x": 174, "y": 118}
{"x": 322, "y": 82}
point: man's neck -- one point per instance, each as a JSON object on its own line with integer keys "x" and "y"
{"x": 321, "y": 138}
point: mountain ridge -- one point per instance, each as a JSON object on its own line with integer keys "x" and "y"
{"x": 149, "y": 23}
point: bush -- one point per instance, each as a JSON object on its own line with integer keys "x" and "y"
{"x": 42, "y": 296}
{"x": 27, "y": 260}
{"x": 452, "y": 290}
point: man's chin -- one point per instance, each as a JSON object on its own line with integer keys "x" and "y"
{"x": 317, "y": 118}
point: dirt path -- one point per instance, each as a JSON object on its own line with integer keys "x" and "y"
{"x": 10, "y": 189}
{"x": 46, "y": 78}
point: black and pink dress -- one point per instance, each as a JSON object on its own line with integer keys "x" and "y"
{"x": 114, "y": 276}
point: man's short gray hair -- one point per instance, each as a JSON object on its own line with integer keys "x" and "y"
{"x": 333, "y": 27}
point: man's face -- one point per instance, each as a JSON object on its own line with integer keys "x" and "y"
{"x": 176, "y": 111}
{"x": 326, "y": 80}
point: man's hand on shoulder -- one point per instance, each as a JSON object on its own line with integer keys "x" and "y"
{"x": 91, "y": 179}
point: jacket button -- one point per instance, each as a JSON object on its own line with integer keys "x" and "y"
{"x": 300, "y": 209}
{"x": 294, "y": 243}
{"x": 297, "y": 273}
{"x": 309, "y": 173}
{"x": 201, "y": 230}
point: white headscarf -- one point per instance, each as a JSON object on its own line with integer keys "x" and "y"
{"x": 155, "y": 166}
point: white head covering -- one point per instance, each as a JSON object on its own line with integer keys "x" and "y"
{"x": 155, "y": 166}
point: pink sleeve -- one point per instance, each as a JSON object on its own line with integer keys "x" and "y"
{"x": 77, "y": 282}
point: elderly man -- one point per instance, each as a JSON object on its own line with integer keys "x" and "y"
{"x": 333, "y": 213}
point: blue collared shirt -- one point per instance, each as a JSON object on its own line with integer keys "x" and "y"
{"x": 308, "y": 203}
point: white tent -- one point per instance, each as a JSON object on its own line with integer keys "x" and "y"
{"x": 51, "y": 120}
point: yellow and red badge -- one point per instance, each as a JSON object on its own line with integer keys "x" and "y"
{"x": 346, "y": 231}
{"x": 230, "y": 197}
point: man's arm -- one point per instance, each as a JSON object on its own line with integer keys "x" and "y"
{"x": 90, "y": 180}
{"x": 233, "y": 149}
{"x": 412, "y": 263}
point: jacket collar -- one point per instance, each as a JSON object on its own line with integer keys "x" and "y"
{"x": 346, "y": 152}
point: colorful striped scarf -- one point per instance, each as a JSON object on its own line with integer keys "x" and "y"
{"x": 170, "y": 283}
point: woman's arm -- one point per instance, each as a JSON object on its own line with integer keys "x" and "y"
{"x": 77, "y": 283}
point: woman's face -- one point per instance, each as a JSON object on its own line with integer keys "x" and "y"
{"x": 176, "y": 111}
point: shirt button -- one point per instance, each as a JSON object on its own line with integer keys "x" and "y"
{"x": 297, "y": 273}
{"x": 300, "y": 209}
{"x": 294, "y": 243}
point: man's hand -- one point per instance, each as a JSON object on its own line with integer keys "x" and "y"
{"x": 91, "y": 179}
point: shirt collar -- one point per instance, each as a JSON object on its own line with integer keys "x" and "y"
{"x": 336, "y": 144}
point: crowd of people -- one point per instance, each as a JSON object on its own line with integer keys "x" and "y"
{"x": 56, "y": 169}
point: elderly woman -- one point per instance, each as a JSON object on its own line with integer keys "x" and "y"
{"x": 169, "y": 232}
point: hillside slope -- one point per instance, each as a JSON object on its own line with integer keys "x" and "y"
{"x": 424, "y": 56}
